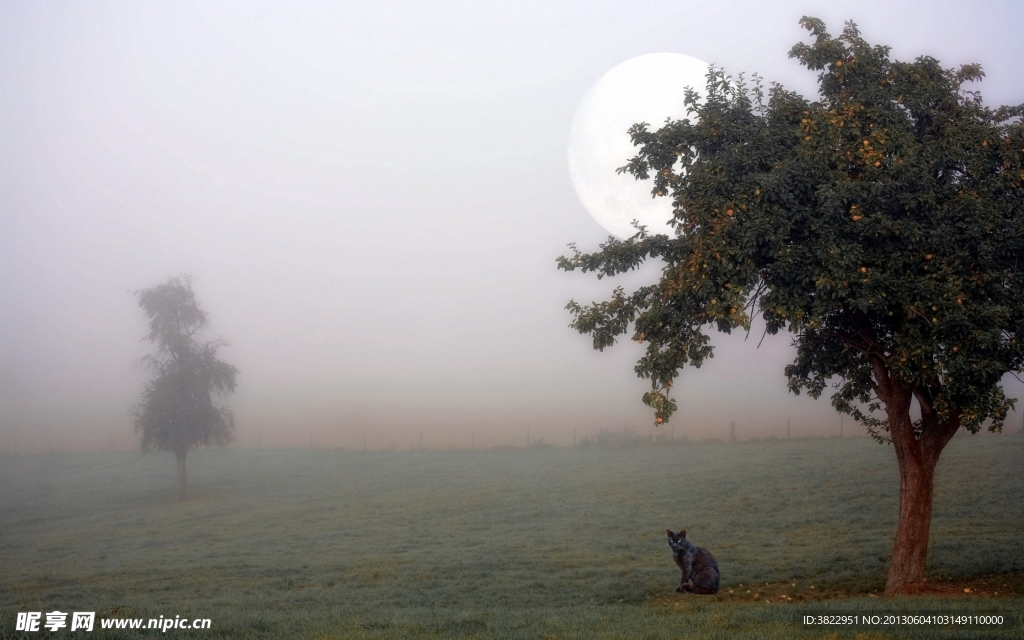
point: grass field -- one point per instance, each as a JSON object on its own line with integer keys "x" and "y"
{"x": 537, "y": 543}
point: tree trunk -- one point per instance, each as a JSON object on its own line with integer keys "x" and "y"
{"x": 917, "y": 455}
{"x": 910, "y": 548}
{"x": 181, "y": 474}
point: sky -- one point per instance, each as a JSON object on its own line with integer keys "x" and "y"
{"x": 370, "y": 199}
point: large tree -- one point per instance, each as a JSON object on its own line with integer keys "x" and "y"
{"x": 882, "y": 225}
{"x": 176, "y": 412}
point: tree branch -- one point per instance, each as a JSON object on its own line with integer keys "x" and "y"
{"x": 881, "y": 383}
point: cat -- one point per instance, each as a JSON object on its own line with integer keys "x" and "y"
{"x": 696, "y": 563}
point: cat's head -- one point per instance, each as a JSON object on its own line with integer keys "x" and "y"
{"x": 676, "y": 540}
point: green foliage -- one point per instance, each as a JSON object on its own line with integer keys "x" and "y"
{"x": 176, "y": 411}
{"x": 882, "y": 225}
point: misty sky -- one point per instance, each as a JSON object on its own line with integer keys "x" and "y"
{"x": 370, "y": 199}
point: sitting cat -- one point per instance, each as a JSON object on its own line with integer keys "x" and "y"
{"x": 697, "y": 564}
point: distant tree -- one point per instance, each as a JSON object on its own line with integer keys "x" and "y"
{"x": 882, "y": 225}
{"x": 176, "y": 412}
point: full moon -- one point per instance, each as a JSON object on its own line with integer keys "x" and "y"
{"x": 649, "y": 89}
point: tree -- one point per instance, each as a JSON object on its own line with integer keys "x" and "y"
{"x": 176, "y": 412}
{"x": 882, "y": 225}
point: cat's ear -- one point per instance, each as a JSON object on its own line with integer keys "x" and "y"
{"x": 682, "y": 534}
{"x": 669, "y": 532}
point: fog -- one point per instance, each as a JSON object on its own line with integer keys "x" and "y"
{"x": 370, "y": 201}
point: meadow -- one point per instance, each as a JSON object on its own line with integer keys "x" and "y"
{"x": 545, "y": 542}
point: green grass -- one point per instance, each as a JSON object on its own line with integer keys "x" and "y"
{"x": 545, "y": 542}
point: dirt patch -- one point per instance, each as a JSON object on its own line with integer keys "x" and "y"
{"x": 1004, "y": 585}
{"x": 808, "y": 591}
